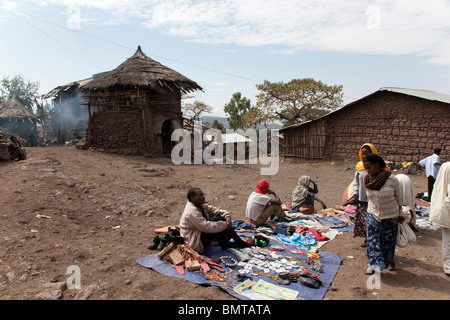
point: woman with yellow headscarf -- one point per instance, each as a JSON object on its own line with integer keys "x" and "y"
{"x": 359, "y": 193}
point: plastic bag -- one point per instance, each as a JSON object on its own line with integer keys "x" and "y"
{"x": 405, "y": 233}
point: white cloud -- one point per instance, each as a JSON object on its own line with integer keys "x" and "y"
{"x": 420, "y": 27}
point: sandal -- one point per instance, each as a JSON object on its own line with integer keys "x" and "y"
{"x": 369, "y": 271}
{"x": 391, "y": 266}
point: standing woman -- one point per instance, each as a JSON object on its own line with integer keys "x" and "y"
{"x": 359, "y": 193}
{"x": 440, "y": 211}
{"x": 383, "y": 213}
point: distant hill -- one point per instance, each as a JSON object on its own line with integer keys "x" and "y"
{"x": 224, "y": 121}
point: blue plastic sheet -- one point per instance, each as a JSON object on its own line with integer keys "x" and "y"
{"x": 330, "y": 262}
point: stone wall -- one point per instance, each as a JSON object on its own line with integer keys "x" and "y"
{"x": 401, "y": 127}
{"x": 117, "y": 131}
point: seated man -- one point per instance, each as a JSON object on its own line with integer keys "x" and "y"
{"x": 15, "y": 149}
{"x": 260, "y": 206}
{"x": 201, "y": 223}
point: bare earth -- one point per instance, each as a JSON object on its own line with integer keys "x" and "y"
{"x": 65, "y": 207}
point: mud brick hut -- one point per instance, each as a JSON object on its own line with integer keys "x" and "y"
{"x": 17, "y": 120}
{"x": 403, "y": 124}
{"x": 134, "y": 108}
{"x": 68, "y": 117}
{"x": 4, "y": 153}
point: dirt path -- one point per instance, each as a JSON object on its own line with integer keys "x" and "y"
{"x": 64, "y": 207}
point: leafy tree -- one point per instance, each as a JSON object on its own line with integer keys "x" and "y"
{"x": 235, "y": 109}
{"x": 217, "y": 125}
{"x": 24, "y": 91}
{"x": 297, "y": 100}
{"x": 193, "y": 111}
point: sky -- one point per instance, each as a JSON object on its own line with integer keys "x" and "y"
{"x": 230, "y": 46}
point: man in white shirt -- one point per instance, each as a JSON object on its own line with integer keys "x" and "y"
{"x": 260, "y": 206}
{"x": 432, "y": 165}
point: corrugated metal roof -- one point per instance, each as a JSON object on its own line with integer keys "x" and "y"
{"x": 424, "y": 94}
{"x": 65, "y": 87}
{"x": 231, "y": 138}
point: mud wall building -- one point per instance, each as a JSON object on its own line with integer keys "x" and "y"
{"x": 134, "y": 108}
{"x": 403, "y": 124}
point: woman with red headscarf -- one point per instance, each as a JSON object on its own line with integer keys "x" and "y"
{"x": 260, "y": 206}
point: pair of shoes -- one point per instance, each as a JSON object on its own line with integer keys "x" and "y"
{"x": 163, "y": 240}
{"x": 154, "y": 243}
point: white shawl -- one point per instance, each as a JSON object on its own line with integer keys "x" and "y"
{"x": 407, "y": 194}
{"x": 440, "y": 198}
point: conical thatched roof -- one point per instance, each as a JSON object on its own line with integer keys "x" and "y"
{"x": 142, "y": 71}
{"x": 12, "y": 108}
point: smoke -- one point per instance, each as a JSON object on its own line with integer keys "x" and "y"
{"x": 70, "y": 117}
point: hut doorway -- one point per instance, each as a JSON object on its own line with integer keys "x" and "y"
{"x": 166, "y": 135}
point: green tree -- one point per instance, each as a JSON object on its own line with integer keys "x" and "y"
{"x": 235, "y": 109}
{"x": 297, "y": 100}
{"x": 217, "y": 125}
{"x": 193, "y": 111}
{"x": 24, "y": 91}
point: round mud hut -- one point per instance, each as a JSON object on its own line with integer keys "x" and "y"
{"x": 16, "y": 119}
{"x": 134, "y": 108}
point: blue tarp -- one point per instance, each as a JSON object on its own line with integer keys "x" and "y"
{"x": 330, "y": 261}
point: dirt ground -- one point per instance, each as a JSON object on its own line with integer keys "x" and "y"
{"x": 64, "y": 207}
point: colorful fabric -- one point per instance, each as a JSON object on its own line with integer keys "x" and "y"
{"x": 360, "y": 220}
{"x": 348, "y": 194}
{"x": 381, "y": 240}
{"x": 304, "y": 241}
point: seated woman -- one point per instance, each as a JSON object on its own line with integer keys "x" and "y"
{"x": 201, "y": 223}
{"x": 303, "y": 196}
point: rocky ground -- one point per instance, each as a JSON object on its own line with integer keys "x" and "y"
{"x": 65, "y": 209}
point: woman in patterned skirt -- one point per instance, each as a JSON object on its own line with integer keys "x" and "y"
{"x": 383, "y": 213}
{"x": 359, "y": 193}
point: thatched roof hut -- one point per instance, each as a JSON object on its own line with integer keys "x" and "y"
{"x": 135, "y": 107}
{"x": 14, "y": 109}
{"x": 142, "y": 71}
{"x": 18, "y": 120}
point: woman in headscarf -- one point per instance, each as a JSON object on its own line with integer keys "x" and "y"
{"x": 303, "y": 196}
{"x": 383, "y": 213}
{"x": 440, "y": 211}
{"x": 359, "y": 193}
{"x": 260, "y": 206}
